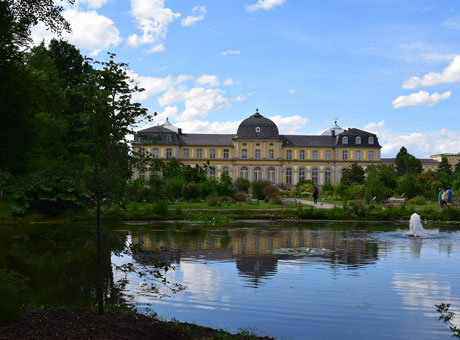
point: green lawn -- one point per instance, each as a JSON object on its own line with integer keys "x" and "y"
{"x": 231, "y": 206}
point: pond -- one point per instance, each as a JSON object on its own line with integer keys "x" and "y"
{"x": 287, "y": 280}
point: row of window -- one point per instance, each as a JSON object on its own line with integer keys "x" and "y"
{"x": 370, "y": 140}
{"x": 270, "y": 175}
{"x": 271, "y": 154}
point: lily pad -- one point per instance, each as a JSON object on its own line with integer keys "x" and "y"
{"x": 302, "y": 251}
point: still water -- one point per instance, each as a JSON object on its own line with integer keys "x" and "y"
{"x": 350, "y": 281}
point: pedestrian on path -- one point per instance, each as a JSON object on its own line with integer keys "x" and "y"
{"x": 315, "y": 195}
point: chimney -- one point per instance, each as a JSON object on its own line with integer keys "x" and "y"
{"x": 333, "y": 133}
{"x": 179, "y": 131}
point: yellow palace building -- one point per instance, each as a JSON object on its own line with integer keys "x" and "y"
{"x": 258, "y": 152}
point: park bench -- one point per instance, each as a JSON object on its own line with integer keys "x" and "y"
{"x": 394, "y": 201}
{"x": 288, "y": 200}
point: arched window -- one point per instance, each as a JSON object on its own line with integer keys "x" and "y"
{"x": 345, "y": 155}
{"x": 212, "y": 172}
{"x": 257, "y": 174}
{"x": 288, "y": 176}
{"x": 226, "y": 170}
{"x": 371, "y": 140}
{"x": 301, "y": 174}
{"x": 358, "y": 140}
{"x": 244, "y": 172}
{"x": 343, "y": 171}
{"x": 328, "y": 176}
{"x": 314, "y": 175}
{"x": 271, "y": 175}
{"x": 344, "y": 140}
{"x": 371, "y": 155}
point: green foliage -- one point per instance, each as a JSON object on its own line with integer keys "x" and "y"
{"x": 377, "y": 189}
{"x": 14, "y": 295}
{"x": 240, "y": 196}
{"x": 409, "y": 187}
{"x": 242, "y": 184}
{"x": 353, "y": 174}
{"x": 448, "y": 318}
{"x": 355, "y": 192}
{"x": 444, "y": 172}
{"x": 305, "y": 188}
{"x": 225, "y": 185}
{"x": 271, "y": 192}
{"x": 48, "y": 193}
{"x": 406, "y": 163}
{"x": 258, "y": 189}
{"x": 211, "y": 219}
{"x": 160, "y": 208}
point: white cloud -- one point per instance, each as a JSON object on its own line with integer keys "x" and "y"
{"x": 230, "y": 52}
{"x": 420, "y": 144}
{"x": 420, "y": 98}
{"x": 240, "y": 98}
{"x": 451, "y": 74}
{"x": 198, "y": 13}
{"x": 156, "y": 48}
{"x": 91, "y": 3}
{"x": 153, "y": 86}
{"x": 264, "y": 4}
{"x": 90, "y": 31}
{"x": 198, "y": 101}
{"x": 208, "y": 80}
{"x": 152, "y": 18}
{"x": 229, "y": 82}
{"x": 289, "y": 124}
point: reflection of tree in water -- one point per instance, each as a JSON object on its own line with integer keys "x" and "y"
{"x": 60, "y": 261}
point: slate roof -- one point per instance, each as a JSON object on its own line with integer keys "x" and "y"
{"x": 158, "y": 134}
{"x": 266, "y": 127}
{"x": 307, "y": 141}
{"x": 352, "y": 133}
{"x": 206, "y": 139}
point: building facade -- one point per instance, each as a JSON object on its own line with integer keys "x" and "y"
{"x": 258, "y": 152}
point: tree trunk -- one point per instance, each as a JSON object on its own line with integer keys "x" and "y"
{"x": 100, "y": 301}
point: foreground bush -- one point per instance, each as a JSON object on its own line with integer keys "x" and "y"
{"x": 13, "y": 296}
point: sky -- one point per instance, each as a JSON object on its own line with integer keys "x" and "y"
{"x": 391, "y": 67}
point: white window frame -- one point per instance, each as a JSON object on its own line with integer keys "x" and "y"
{"x": 315, "y": 155}
{"x": 244, "y": 153}
{"x": 212, "y": 153}
{"x": 257, "y": 153}
{"x": 288, "y": 154}
{"x": 199, "y": 153}
{"x": 271, "y": 153}
{"x": 288, "y": 176}
{"x": 344, "y": 155}
{"x": 328, "y": 155}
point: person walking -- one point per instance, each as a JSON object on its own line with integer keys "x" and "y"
{"x": 449, "y": 194}
{"x": 442, "y": 197}
{"x": 315, "y": 195}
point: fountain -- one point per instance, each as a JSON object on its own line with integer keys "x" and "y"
{"x": 415, "y": 225}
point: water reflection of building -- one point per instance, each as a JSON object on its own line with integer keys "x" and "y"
{"x": 252, "y": 248}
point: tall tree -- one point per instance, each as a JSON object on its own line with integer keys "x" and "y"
{"x": 110, "y": 115}
{"x": 444, "y": 172}
{"x": 406, "y": 163}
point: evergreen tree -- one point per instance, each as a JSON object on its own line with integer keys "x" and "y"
{"x": 406, "y": 163}
{"x": 444, "y": 172}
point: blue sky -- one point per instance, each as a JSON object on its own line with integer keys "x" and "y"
{"x": 391, "y": 67}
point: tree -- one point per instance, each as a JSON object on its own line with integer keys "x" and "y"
{"x": 444, "y": 172}
{"x": 406, "y": 163}
{"x": 109, "y": 116}
{"x": 353, "y": 174}
{"x": 380, "y": 182}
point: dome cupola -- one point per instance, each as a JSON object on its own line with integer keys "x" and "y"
{"x": 257, "y": 126}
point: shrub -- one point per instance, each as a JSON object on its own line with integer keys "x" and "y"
{"x": 240, "y": 196}
{"x": 160, "y": 208}
{"x": 242, "y": 184}
{"x": 190, "y": 191}
{"x": 173, "y": 188}
{"x": 258, "y": 189}
{"x": 271, "y": 191}
{"x": 213, "y": 200}
{"x": 276, "y": 200}
{"x": 13, "y": 296}
{"x": 305, "y": 188}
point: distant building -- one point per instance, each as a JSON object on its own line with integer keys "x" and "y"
{"x": 428, "y": 164}
{"x": 258, "y": 152}
{"x": 452, "y": 158}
